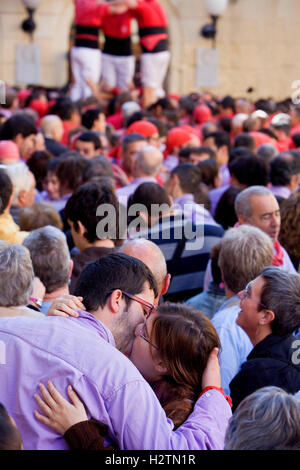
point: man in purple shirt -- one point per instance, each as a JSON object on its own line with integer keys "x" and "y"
{"x": 87, "y": 352}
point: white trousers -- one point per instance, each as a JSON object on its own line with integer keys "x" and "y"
{"x": 154, "y": 67}
{"x": 86, "y": 65}
{"x": 118, "y": 71}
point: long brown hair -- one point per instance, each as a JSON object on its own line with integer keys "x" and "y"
{"x": 185, "y": 337}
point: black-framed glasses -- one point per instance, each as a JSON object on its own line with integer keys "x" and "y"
{"x": 148, "y": 307}
{"x": 143, "y": 333}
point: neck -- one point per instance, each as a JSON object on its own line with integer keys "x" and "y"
{"x": 260, "y": 335}
{"x": 57, "y": 293}
{"x": 99, "y": 243}
{"x": 229, "y": 294}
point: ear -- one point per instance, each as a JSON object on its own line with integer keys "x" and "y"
{"x": 166, "y": 284}
{"x": 242, "y": 219}
{"x": 81, "y": 228}
{"x": 115, "y": 301}
{"x": 22, "y": 197}
{"x": 267, "y": 316}
{"x": 160, "y": 366}
{"x": 71, "y": 268}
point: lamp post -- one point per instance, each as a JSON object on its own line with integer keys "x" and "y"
{"x": 29, "y": 25}
{"x": 215, "y": 8}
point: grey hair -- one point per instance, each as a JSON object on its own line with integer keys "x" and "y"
{"x": 144, "y": 164}
{"x": 16, "y": 275}
{"x": 50, "y": 256}
{"x": 268, "y": 419}
{"x": 242, "y": 204}
{"x": 48, "y": 123}
{"x": 18, "y": 173}
{"x": 244, "y": 252}
{"x": 281, "y": 294}
{"x": 267, "y": 152}
{"x": 140, "y": 248}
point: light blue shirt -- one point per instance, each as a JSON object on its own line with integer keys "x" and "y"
{"x": 235, "y": 343}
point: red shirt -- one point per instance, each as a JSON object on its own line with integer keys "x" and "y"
{"x": 117, "y": 26}
{"x": 150, "y": 13}
{"x": 89, "y": 12}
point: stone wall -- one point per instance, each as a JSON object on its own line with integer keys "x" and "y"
{"x": 257, "y": 42}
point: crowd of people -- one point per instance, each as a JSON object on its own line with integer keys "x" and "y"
{"x": 149, "y": 261}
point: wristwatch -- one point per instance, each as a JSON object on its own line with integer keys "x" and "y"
{"x": 38, "y": 302}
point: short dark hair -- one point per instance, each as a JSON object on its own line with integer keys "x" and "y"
{"x": 228, "y": 103}
{"x": 280, "y": 171}
{"x": 6, "y": 190}
{"x": 115, "y": 271}
{"x": 209, "y": 171}
{"x": 64, "y": 108}
{"x": 238, "y": 152}
{"x": 249, "y": 170}
{"x": 221, "y": 138}
{"x": 82, "y": 206}
{"x": 37, "y": 164}
{"x": 97, "y": 167}
{"x": 16, "y": 125}
{"x": 130, "y": 138}
{"x": 245, "y": 140}
{"x": 90, "y": 137}
{"x": 10, "y": 438}
{"x": 148, "y": 194}
{"x": 90, "y": 116}
{"x": 189, "y": 177}
{"x": 203, "y": 149}
{"x": 225, "y": 214}
{"x": 70, "y": 170}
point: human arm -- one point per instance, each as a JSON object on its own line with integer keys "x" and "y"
{"x": 66, "y": 306}
{"x": 70, "y": 419}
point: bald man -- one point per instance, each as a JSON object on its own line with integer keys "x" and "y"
{"x": 147, "y": 165}
{"x": 152, "y": 256}
{"x": 52, "y": 128}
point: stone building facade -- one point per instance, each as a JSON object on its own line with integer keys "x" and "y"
{"x": 256, "y": 42}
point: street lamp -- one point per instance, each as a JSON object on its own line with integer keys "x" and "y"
{"x": 214, "y": 8}
{"x": 29, "y": 25}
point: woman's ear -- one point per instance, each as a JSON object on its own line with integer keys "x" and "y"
{"x": 160, "y": 366}
{"x": 267, "y": 317}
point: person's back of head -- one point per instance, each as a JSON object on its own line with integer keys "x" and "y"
{"x": 148, "y": 161}
{"x": 37, "y": 164}
{"x": 51, "y": 126}
{"x": 50, "y": 257}
{"x": 64, "y": 108}
{"x": 19, "y": 174}
{"x": 189, "y": 177}
{"x": 98, "y": 167}
{"x": 280, "y": 171}
{"x": 83, "y": 208}
{"x": 152, "y": 256}
{"x": 115, "y": 271}
{"x": 268, "y": 408}
{"x": 10, "y": 438}
{"x": 39, "y": 215}
{"x": 267, "y": 152}
{"x": 245, "y": 140}
{"x": 244, "y": 252}
{"x": 16, "y": 275}
{"x": 69, "y": 172}
{"x": 248, "y": 170}
{"x": 6, "y": 190}
{"x": 148, "y": 195}
{"x": 289, "y": 235}
{"x": 209, "y": 172}
{"x": 225, "y": 213}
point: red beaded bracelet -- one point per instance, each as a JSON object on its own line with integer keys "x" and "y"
{"x": 227, "y": 397}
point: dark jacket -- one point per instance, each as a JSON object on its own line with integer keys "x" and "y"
{"x": 273, "y": 361}
{"x": 55, "y": 148}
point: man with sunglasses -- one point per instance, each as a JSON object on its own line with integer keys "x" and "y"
{"x": 89, "y": 352}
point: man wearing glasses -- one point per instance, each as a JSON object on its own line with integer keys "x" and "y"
{"x": 89, "y": 352}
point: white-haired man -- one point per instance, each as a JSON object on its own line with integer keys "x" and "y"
{"x": 52, "y": 128}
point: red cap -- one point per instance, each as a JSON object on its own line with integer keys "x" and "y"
{"x": 202, "y": 114}
{"x": 40, "y": 107}
{"x": 147, "y": 129}
{"x": 177, "y": 137}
